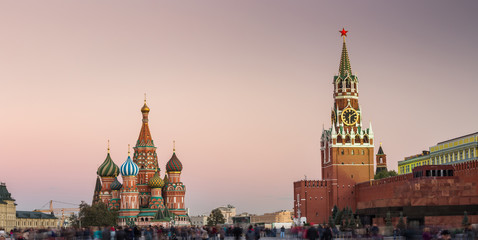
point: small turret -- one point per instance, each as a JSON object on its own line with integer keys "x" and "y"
{"x": 381, "y": 160}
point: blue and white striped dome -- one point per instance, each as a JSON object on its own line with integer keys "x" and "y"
{"x": 129, "y": 168}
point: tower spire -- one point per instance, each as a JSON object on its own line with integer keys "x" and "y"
{"x": 174, "y": 146}
{"x": 344, "y": 67}
{"x": 145, "y": 139}
{"x": 108, "y": 146}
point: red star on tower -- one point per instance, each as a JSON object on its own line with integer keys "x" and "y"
{"x": 343, "y": 32}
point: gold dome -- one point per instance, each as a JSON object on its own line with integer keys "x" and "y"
{"x": 145, "y": 108}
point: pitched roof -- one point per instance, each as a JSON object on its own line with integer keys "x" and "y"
{"x": 380, "y": 151}
{"x": 163, "y": 215}
{"x": 4, "y": 194}
{"x": 35, "y": 215}
{"x": 344, "y": 67}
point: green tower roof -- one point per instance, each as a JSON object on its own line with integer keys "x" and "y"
{"x": 4, "y": 194}
{"x": 380, "y": 150}
{"x": 344, "y": 67}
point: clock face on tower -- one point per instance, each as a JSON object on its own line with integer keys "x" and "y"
{"x": 349, "y": 116}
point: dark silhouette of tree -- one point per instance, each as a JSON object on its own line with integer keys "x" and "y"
{"x": 388, "y": 219}
{"x": 465, "y": 220}
{"x": 385, "y": 174}
{"x": 96, "y": 215}
{"x": 215, "y": 218}
{"x": 401, "y": 223}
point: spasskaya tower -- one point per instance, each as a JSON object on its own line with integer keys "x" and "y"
{"x": 347, "y": 151}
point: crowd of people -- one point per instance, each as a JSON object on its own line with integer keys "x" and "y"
{"x": 314, "y": 232}
{"x": 136, "y": 233}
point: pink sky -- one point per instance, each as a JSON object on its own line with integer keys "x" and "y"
{"x": 244, "y": 88}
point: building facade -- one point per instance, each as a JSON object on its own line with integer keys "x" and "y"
{"x": 10, "y": 218}
{"x": 452, "y": 151}
{"x": 276, "y": 217}
{"x": 228, "y": 212}
{"x": 144, "y": 197}
{"x": 199, "y": 221}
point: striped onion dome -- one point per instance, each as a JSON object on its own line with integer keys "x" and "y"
{"x": 174, "y": 165}
{"x": 108, "y": 168}
{"x": 116, "y": 185}
{"x": 156, "y": 181}
{"x": 129, "y": 168}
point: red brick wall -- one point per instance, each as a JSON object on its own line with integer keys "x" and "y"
{"x": 313, "y": 200}
{"x": 404, "y": 190}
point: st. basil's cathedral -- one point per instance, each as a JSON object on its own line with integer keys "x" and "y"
{"x": 144, "y": 198}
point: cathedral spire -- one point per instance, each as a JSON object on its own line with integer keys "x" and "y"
{"x": 344, "y": 67}
{"x": 145, "y": 139}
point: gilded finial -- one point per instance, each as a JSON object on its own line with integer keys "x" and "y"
{"x": 145, "y": 108}
{"x": 108, "y": 146}
{"x": 174, "y": 145}
{"x": 380, "y": 144}
{"x": 129, "y": 153}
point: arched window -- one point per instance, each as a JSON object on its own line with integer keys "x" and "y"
{"x": 365, "y": 139}
{"x": 347, "y": 139}
{"x": 339, "y": 139}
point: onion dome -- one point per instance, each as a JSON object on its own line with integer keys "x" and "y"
{"x": 129, "y": 168}
{"x": 174, "y": 165}
{"x": 156, "y": 181}
{"x": 116, "y": 185}
{"x": 108, "y": 168}
{"x": 145, "y": 108}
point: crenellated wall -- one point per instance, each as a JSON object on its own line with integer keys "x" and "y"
{"x": 312, "y": 197}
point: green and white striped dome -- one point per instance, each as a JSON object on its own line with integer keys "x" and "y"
{"x": 108, "y": 168}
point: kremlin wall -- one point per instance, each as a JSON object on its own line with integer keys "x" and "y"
{"x": 433, "y": 189}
